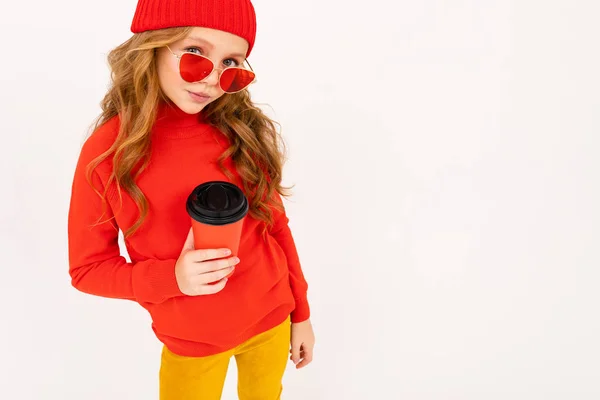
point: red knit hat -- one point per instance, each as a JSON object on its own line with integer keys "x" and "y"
{"x": 233, "y": 16}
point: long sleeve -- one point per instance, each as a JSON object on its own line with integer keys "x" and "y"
{"x": 95, "y": 263}
{"x": 283, "y": 234}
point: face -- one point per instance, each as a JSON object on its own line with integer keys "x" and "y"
{"x": 224, "y": 50}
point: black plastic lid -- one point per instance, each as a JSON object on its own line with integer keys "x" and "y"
{"x": 217, "y": 203}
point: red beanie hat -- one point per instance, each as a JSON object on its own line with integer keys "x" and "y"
{"x": 233, "y": 16}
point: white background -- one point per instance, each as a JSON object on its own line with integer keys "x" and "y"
{"x": 445, "y": 157}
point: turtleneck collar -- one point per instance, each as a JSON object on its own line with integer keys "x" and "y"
{"x": 171, "y": 121}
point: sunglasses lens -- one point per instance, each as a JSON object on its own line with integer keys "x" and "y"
{"x": 236, "y": 79}
{"x": 194, "y": 68}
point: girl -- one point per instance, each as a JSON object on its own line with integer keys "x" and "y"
{"x": 178, "y": 114}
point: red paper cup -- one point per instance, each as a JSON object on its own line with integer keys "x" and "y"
{"x": 217, "y": 210}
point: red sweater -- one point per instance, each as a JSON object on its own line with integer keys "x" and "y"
{"x": 267, "y": 286}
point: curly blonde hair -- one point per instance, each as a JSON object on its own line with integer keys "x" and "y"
{"x": 257, "y": 149}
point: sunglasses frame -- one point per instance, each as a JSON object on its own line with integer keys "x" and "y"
{"x": 220, "y": 70}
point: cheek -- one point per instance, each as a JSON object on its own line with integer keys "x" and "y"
{"x": 168, "y": 75}
{"x": 219, "y": 94}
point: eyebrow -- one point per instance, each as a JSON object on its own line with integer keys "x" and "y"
{"x": 211, "y": 46}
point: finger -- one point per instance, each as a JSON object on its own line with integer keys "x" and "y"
{"x": 189, "y": 242}
{"x": 211, "y": 277}
{"x": 307, "y": 357}
{"x": 216, "y": 265}
{"x": 212, "y": 289}
{"x": 295, "y": 353}
{"x": 202, "y": 255}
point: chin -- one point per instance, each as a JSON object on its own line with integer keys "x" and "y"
{"x": 189, "y": 107}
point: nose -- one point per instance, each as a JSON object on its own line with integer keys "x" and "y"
{"x": 212, "y": 78}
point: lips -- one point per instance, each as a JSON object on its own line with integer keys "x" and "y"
{"x": 199, "y": 96}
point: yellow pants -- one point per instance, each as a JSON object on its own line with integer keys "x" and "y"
{"x": 261, "y": 363}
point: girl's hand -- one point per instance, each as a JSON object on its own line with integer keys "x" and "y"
{"x": 303, "y": 342}
{"x": 197, "y": 275}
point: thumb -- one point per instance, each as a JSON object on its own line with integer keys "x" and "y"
{"x": 189, "y": 242}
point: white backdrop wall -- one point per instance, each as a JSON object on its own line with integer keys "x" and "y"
{"x": 445, "y": 163}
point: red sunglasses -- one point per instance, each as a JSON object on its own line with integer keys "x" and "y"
{"x": 195, "y": 67}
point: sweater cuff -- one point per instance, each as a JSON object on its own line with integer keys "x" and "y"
{"x": 155, "y": 281}
{"x": 302, "y": 311}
